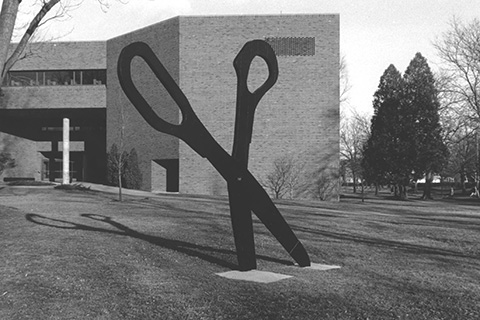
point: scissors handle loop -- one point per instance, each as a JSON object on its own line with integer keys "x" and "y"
{"x": 190, "y": 130}
{"x": 247, "y": 101}
{"x": 242, "y": 64}
{"x": 142, "y": 50}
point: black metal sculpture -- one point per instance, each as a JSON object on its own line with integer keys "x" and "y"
{"x": 245, "y": 193}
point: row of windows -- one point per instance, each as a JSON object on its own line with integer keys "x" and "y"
{"x": 55, "y": 78}
{"x": 59, "y": 128}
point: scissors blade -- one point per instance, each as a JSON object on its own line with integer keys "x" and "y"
{"x": 242, "y": 226}
{"x": 245, "y": 110}
{"x": 194, "y": 133}
{"x": 258, "y": 201}
{"x": 267, "y": 212}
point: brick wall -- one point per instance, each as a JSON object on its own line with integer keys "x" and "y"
{"x": 34, "y": 100}
{"x": 54, "y": 97}
{"x": 149, "y": 143}
{"x": 298, "y": 116}
{"x": 27, "y": 159}
{"x": 63, "y": 56}
{"x": 58, "y": 56}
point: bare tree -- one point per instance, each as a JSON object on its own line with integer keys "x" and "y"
{"x": 354, "y": 132}
{"x": 459, "y": 50}
{"x": 117, "y": 158}
{"x": 285, "y": 178}
{"x": 461, "y": 140}
{"x": 459, "y": 87}
{"x": 8, "y": 21}
{"x": 344, "y": 81}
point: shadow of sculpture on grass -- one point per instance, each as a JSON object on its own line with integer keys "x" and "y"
{"x": 203, "y": 252}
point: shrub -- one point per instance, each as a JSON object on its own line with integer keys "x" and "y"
{"x": 131, "y": 174}
{"x": 76, "y": 186}
{"x": 6, "y": 161}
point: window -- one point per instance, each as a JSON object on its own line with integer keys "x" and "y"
{"x": 60, "y": 128}
{"x": 22, "y": 78}
{"x": 55, "y": 78}
{"x": 94, "y": 77}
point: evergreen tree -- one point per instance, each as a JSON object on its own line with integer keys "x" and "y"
{"x": 387, "y": 157}
{"x": 133, "y": 175}
{"x": 112, "y": 157}
{"x": 422, "y": 105}
{"x": 406, "y": 140}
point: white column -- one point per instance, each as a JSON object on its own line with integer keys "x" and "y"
{"x": 66, "y": 151}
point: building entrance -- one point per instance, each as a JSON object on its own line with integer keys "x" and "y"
{"x": 52, "y": 170}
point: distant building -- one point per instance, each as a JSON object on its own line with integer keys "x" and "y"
{"x": 78, "y": 80}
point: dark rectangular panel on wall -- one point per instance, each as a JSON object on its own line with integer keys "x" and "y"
{"x": 292, "y": 46}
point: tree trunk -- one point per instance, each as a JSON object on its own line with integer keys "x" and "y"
{"x": 401, "y": 191}
{"x": 119, "y": 172}
{"x": 8, "y": 16}
{"x": 363, "y": 192}
{"x": 354, "y": 176}
{"x": 20, "y": 48}
{"x": 462, "y": 182}
{"x": 427, "y": 189}
{"x": 354, "y": 183}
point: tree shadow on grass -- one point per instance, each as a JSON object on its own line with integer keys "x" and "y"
{"x": 199, "y": 251}
{"x": 379, "y": 242}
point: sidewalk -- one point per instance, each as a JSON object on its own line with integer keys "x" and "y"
{"x": 114, "y": 190}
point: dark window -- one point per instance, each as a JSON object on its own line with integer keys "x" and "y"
{"x": 94, "y": 77}
{"x": 23, "y": 78}
{"x": 292, "y": 46}
{"x": 60, "y": 128}
{"x": 77, "y": 76}
{"x": 55, "y": 78}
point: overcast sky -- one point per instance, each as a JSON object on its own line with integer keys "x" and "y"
{"x": 374, "y": 33}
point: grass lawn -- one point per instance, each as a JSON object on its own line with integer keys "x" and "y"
{"x": 83, "y": 255}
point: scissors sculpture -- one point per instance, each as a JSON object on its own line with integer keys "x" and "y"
{"x": 245, "y": 192}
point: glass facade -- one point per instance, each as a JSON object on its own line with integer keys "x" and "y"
{"x": 55, "y": 78}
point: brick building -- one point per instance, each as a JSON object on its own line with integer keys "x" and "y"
{"x": 55, "y": 81}
{"x": 299, "y": 116}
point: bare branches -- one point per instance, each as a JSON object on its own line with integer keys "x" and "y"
{"x": 8, "y": 16}
{"x": 459, "y": 49}
{"x": 34, "y": 24}
{"x": 344, "y": 82}
{"x": 459, "y": 88}
{"x": 285, "y": 178}
{"x": 44, "y": 13}
{"x": 354, "y": 132}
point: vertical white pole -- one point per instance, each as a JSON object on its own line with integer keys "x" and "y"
{"x": 66, "y": 151}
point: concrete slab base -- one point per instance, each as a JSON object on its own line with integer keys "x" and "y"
{"x": 254, "y": 276}
{"x": 321, "y": 267}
